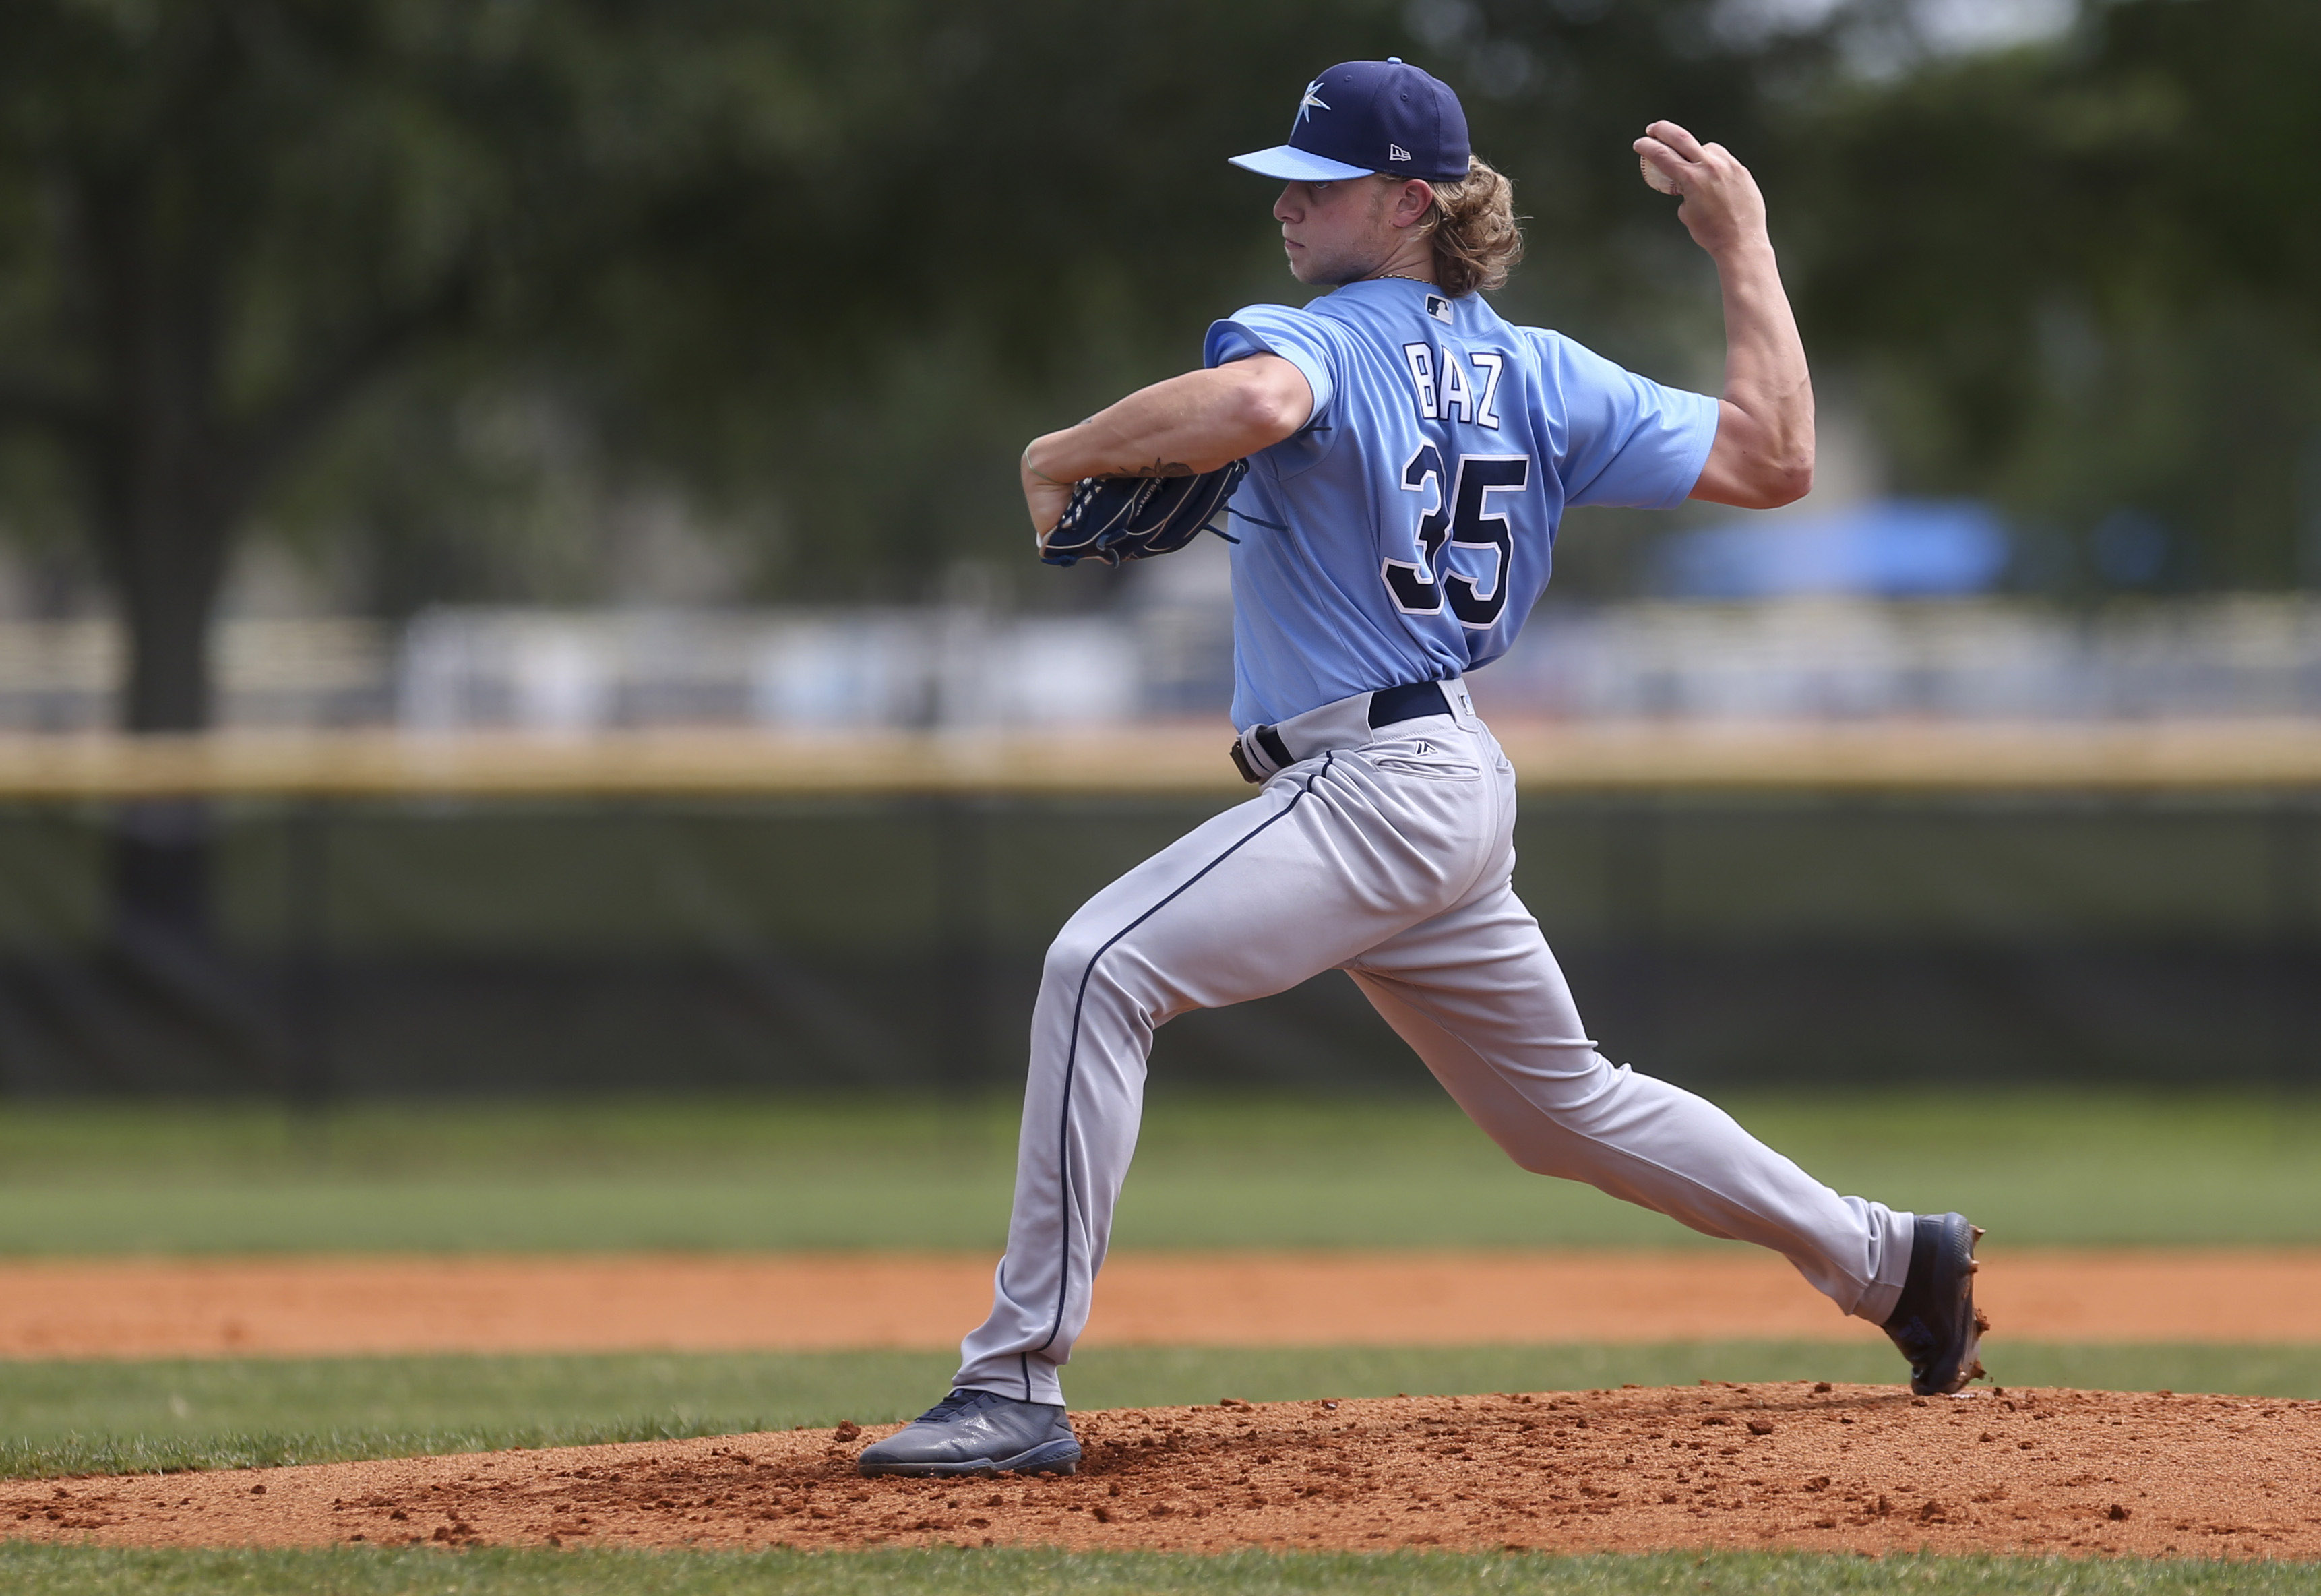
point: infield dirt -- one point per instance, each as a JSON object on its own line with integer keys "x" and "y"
{"x": 1849, "y": 1468}
{"x": 356, "y": 1305}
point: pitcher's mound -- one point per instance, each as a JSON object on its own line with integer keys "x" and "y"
{"x": 1855, "y": 1468}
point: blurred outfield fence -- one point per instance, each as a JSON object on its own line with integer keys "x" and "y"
{"x": 1878, "y": 905}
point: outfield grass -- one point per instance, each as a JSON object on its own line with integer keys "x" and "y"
{"x": 2085, "y": 1168}
{"x": 88, "y": 1418}
{"x": 349, "y": 1570}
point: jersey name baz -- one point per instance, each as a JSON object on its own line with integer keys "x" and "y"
{"x": 1404, "y": 533}
{"x": 1453, "y": 396}
{"x": 1460, "y": 513}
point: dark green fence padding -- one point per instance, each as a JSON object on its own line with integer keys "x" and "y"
{"x": 495, "y": 946}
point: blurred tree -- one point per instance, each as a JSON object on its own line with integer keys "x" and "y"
{"x": 200, "y": 274}
{"x": 819, "y": 266}
{"x": 826, "y": 259}
{"x": 1041, "y": 219}
{"x": 2080, "y": 277}
{"x": 222, "y": 222}
{"x": 832, "y": 260}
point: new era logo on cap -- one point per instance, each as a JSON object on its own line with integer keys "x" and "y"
{"x": 1358, "y": 108}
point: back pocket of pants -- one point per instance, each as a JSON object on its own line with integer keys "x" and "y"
{"x": 1446, "y": 770}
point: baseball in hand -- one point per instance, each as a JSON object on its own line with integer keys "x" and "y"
{"x": 1656, "y": 177}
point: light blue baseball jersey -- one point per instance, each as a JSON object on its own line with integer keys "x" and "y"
{"x": 1406, "y": 530}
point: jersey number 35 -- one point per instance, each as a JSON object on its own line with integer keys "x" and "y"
{"x": 1461, "y": 518}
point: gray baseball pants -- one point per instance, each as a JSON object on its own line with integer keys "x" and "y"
{"x": 1387, "y": 852}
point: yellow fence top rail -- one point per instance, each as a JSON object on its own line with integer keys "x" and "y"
{"x": 1175, "y": 760}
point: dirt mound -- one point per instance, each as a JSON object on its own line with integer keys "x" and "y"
{"x": 1854, "y": 1468}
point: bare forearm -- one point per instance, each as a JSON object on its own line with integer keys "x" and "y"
{"x": 1765, "y": 373}
{"x": 1188, "y": 424}
{"x": 1763, "y": 455}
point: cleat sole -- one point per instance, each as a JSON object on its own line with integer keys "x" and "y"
{"x": 1942, "y": 1334}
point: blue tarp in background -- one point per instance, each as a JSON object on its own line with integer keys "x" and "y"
{"x": 1886, "y": 547}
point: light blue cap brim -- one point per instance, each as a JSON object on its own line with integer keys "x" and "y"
{"x": 1293, "y": 165}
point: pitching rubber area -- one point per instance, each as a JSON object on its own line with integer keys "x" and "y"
{"x": 1800, "y": 1465}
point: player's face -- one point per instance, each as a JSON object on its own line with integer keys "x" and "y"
{"x": 1337, "y": 232}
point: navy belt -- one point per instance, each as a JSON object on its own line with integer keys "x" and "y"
{"x": 1408, "y": 702}
{"x": 1388, "y": 706}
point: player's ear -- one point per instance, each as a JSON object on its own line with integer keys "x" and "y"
{"x": 1412, "y": 203}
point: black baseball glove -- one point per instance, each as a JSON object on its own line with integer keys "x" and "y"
{"x": 1117, "y": 518}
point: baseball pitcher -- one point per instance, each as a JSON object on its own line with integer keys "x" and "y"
{"x": 1407, "y": 457}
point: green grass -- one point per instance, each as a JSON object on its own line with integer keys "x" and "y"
{"x": 92, "y": 1418}
{"x": 2085, "y": 1168}
{"x": 346, "y": 1571}
{"x": 2052, "y": 1168}
{"x": 66, "y": 1418}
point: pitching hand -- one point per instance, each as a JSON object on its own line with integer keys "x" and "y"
{"x": 1722, "y": 206}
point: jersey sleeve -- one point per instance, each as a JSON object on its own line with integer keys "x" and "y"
{"x": 1305, "y": 340}
{"x": 1627, "y": 439}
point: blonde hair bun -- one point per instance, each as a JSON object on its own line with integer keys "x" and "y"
{"x": 1477, "y": 236}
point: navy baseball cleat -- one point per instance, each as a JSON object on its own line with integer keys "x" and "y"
{"x": 978, "y": 1432}
{"x": 1934, "y": 1321}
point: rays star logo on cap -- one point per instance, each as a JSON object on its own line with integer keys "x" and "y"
{"x": 1373, "y": 106}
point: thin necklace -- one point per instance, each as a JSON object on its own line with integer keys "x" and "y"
{"x": 1404, "y": 276}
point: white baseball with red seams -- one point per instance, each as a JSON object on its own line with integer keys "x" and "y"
{"x": 1387, "y": 852}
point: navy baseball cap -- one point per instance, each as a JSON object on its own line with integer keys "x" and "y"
{"x": 1362, "y": 117}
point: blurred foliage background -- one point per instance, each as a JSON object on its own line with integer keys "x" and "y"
{"x": 454, "y": 295}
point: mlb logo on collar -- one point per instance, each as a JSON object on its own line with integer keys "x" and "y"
{"x": 1438, "y": 307}
{"x": 1362, "y": 117}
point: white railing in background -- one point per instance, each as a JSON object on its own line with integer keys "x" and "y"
{"x": 570, "y": 672}
{"x": 332, "y": 670}
{"x": 1843, "y": 658}
{"x": 1810, "y": 658}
